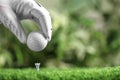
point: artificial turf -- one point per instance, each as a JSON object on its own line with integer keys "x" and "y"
{"x": 111, "y": 73}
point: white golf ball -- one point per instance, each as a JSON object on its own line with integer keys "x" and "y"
{"x": 36, "y": 41}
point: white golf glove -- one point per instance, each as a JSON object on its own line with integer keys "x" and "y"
{"x": 12, "y": 11}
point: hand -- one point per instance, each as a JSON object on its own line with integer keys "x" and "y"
{"x": 13, "y": 11}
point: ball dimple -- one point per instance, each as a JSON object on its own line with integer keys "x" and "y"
{"x": 36, "y": 41}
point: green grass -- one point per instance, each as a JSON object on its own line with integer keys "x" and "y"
{"x": 112, "y": 73}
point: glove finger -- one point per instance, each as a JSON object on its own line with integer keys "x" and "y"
{"x": 42, "y": 18}
{"x": 10, "y": 21}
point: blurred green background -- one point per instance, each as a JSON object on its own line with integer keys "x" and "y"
{"x": 86, "y": 33}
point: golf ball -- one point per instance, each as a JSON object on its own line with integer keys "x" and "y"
{"x": 36, "y": 41}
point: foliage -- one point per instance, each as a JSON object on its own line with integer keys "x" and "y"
{"x": 85, "y": 34}
{"x": 61, "y": 74}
